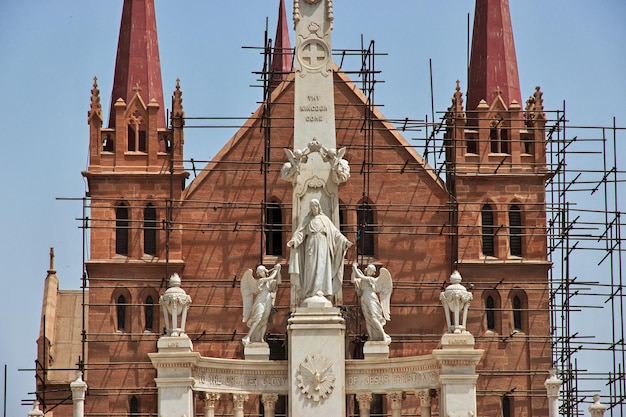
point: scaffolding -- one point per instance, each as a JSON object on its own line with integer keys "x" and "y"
{"x": 583, "y": 192}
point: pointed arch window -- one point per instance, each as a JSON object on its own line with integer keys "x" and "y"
{"x": 499, "y": 138}
{"x": 134, "y": 406}
{"x": 121, "y": 229}
{"x": 273, "y": 230}
{"x": 150, "y": 230}
{"x": 120, "y": 306}
{"x": 136, "y": 133}
{"x": 488, "y": 237}
{"x": 365, "y": 230}
{"x": 515, "y": 230}
{"x": 517, "y": 312}
{"x": 490, "y": 307}
{"x": 149, "y": 313}
{"x": 506, "y": 406}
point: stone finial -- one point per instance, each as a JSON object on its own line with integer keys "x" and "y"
{"x": 95, "y": 108}
{"x": 456, "y": 300}
{"x": 457, "y": 103}
{"x": 175, "y": 302}
{"x": 78, "y": 387}
{"x": 597, "y": 409}
{"x": 35, "y": 412}
{"x": 178, "y": 114}
{"x": 553, "y": 384}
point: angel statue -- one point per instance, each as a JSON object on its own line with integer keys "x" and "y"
{"x": 257, "y": 314}
{"x": 375, "y": 310}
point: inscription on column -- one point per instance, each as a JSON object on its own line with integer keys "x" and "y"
{"x": 314, "y": 111}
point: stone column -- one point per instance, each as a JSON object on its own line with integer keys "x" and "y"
{"x": 597, "y": 409}
{"x": 365, "y": 402}
{"x": 317, "y": 361}
{"x": 175, "y": 358}
{"x": 210, "y": 398}
{"x": 395, "y": 399}
{"x": 457, "y": 356}
{"x": 426, "y": 401}
{"x": 553, "y": 385}
{"x": 78, "y": 387}
{"x": 238, "y": 401}
{"x": 269, "y": 404}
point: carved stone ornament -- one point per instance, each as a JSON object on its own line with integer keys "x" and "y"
{"x": 316, "y": 378}
{"x": 312, "y": 1}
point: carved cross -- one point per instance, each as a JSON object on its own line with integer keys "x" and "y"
{"x": 312, "y": 55}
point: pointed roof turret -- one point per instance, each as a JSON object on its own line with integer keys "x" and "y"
{"x": 137, "y": 63}
{"x": 282, "y": 60}
{"x": 493, "y": 64}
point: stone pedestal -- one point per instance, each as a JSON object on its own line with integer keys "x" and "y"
{"x": 257, "y": 351}
{"x": 457, "y": 378}
{"x": 316, "y": 361}
{"x": 376, "y": 350}
{"x": 174, "y": 363}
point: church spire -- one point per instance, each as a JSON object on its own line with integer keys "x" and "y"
{"x": 137, "y": 63}
{"x": 493, "y": 65}
{"x": 282, "y": 58}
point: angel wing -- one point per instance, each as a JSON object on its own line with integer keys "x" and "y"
{"x": 292, "y": 158}
{"x": 384, "y": 286}
{"x": 341, "y": 152}
{"x": 248, "y": 287}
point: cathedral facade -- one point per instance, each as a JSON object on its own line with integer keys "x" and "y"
{"x": 482, "y": 216}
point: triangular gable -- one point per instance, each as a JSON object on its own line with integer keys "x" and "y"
{"x": 255, "y": 120}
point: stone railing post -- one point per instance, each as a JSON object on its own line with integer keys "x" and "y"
{"x": 78, "y": 387}
{"x": 597, "y": 409}
{"x": 238, "y": 402}
{"x": 395, "y": 400}
{"x": 365, "y": 402}
{"x": 553, "y": 386}
{"x": 210, "y": 398}
{"x": 269, "y": 404}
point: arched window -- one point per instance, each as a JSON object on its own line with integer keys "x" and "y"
{"x": 149, "y": 313}
{"x": 273, "y": 230}
{"x": 487, "y": 231}
{"x": 107, "y": 144}
{"x": 515, "y": 230}
{"x": 499, "y": 139}
{"x": 490, "y": 307}
{"x": 136, "y": 133}
{"x": 121, "y": 313}
{"x": 121, "y": 230}
{"x": 506, "y": 406}
{"x": 517, "y": 312}
{"x": 150, "y": 230}
{"x": 365, "y": 230}
{"x": 134, "y": 406}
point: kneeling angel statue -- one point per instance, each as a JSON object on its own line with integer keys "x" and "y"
{"x": 256, "y": 314}
{"x": 375, "y": 309}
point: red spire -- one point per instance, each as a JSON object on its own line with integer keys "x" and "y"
{"x": 137, "y": 60}
{"x": 282, "y": 59}
{"x": 492, "y": 63}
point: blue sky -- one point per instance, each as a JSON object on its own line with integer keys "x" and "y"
{"x": 574, "y": 49}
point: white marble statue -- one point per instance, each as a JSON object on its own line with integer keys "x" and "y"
{"x": 256, "y": 314}
{"x": 375, "y": 310}
{"x": 317, "y": 252}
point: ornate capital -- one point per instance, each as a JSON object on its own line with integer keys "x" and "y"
{"x": 395, "y": 399}
{"x": 553, "y": 384}
{"x": 364, "y": 399}
{"x": 426, "y": 397}
{"x": 239, "y": 399}
{"x": 269, "y": 401}
{"x": 210, "y": 398}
